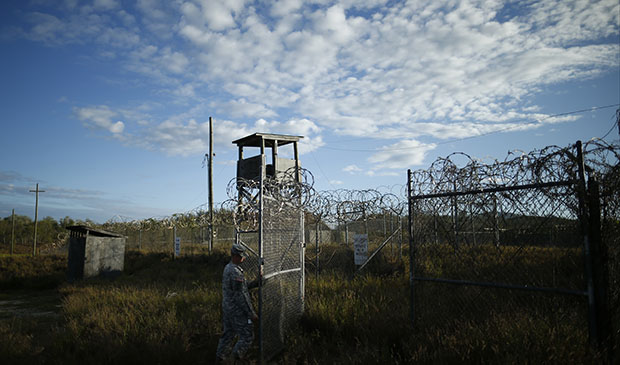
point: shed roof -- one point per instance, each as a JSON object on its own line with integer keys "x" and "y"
{"x": 254, "y": 140}
{"x": 93, "y": 231}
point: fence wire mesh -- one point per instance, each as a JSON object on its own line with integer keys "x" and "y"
{"x": 501, "y": 245}
{"x": 268, "y": 214}
{"x": 282, "y": 292}
{"x": 488, "y": 243}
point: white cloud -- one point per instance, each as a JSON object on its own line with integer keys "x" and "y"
{"x": 351, "y": 169}
{"x": 401, "y": 155}
{"x": 396, "y": 70}
{"x": 242, "y": 108}
{"x": 219, "y": 14}
{"x": 282, "y": 8}
{"x": 175, "y": 62}
{"x": 100, "y": 117}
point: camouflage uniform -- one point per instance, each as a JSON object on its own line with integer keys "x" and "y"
{"x": 237, "y": 313}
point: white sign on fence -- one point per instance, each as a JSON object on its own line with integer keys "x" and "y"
{"x": 177, "y": 246}
{"x": 360, "y": 248}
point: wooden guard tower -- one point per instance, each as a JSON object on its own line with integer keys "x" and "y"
{"x": 251, "y": 168}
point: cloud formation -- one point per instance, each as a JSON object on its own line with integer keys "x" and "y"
{"x": 398, "y": 71}
{"x": 101, "y": 117}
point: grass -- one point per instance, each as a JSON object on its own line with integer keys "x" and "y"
{"x": 163, "y": 310}
{"x": 27, "y": 272}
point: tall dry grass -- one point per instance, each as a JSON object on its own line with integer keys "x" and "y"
{"x": 167, "y": 311}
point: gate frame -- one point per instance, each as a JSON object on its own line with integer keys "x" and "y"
{"x": 583, "y": 216}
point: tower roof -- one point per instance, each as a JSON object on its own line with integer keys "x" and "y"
{"x": 254, "y": 140}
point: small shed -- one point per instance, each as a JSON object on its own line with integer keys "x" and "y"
{"x": 94, "y": 252}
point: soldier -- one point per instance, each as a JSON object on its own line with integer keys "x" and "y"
{"x": 237, "y": 311}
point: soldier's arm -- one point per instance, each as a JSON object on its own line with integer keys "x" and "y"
{"x": 242, "y": 297}
{"x": 248, "y": 302}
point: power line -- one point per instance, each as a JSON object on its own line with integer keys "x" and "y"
{"x": 484, "y": 134}
{"x": 322, "y": 172}
{"x": 614, "y": 124}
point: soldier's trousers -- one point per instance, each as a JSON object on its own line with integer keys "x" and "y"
{"x": 235, "y": 326}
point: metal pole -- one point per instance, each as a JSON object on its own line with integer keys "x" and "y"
{"x": 391, "y": 230}
{"x": 436, "y": 228}
{"x": 261, "y": 252}
{"x": 12, "y": 230}
{"x": 583, "y": 217}
{"x": 495, "y": 222}
{"x": 400, "y": 241}
{"x": 455, "y": 220}
{"x": 317, "y": 249}
{"x": 411, "y": 251}
{"x": 600, "y": 270}
{"x": 473, "y": 223}
{"x": 211, "y": 227}
{"x": 36, "y": 217}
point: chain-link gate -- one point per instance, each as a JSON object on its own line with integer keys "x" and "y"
{"x": 267, "y": 201}
{"x": 282, "y": 294}
{"x": 502, "y": 246}
{"x": 276, "y": 243}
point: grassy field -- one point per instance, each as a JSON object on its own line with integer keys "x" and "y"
{"x": 163, "y": 310}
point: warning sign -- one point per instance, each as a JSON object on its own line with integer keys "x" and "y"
{"x": 360, "y": 248}
{"x": 177, "y": 246}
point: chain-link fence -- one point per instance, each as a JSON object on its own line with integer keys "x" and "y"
{"x": 508, "y": 244}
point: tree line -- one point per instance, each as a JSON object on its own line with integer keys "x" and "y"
{"x": 49, "y": 230}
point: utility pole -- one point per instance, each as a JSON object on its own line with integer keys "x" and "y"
{"x": 211, "y": 227}
{"x": 12, "y": 230}
{"x": 36, "y": 218}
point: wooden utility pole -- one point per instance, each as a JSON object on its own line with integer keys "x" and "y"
{"x": 211, "y": 226}
{"x": 36, "y": 218}
{"x": 12, "y": 230}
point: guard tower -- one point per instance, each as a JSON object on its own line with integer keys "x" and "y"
{"x": 250, "y": 168}
{"x": 270, "y": 225}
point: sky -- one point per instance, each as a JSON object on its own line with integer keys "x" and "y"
{"x": 105, "y": 103}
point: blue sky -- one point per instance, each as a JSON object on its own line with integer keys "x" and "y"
{"x": 105, "y": 103}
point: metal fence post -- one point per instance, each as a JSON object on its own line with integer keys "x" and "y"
{"x": 600, "y": 260}
{"x": 316, "y": 236}
{"x": 411, "y": 251}
{"x": 261, "y": 253}
{"x": 495, "y": 222}
{"x": 12, "y": 230}
{"x": 583, "y": 217}
{"x": 455, "y": 219}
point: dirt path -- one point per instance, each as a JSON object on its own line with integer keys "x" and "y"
{"x": 44, "y": 304}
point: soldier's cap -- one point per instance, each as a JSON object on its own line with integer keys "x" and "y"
{"x": 238, "y": 249}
